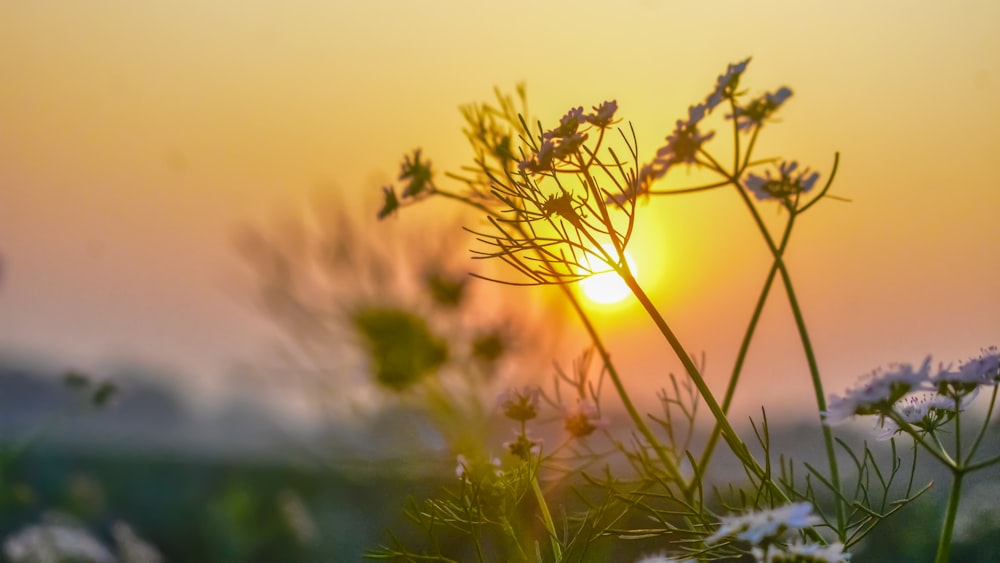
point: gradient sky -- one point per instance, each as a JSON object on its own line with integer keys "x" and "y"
{"x": 135, "y": 136}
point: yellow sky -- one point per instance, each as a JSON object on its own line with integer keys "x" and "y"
{"x": 135, "y": 136}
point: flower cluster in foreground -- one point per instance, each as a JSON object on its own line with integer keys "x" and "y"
{"x": 766, "y": 530}
{"x": 918, "y": 395}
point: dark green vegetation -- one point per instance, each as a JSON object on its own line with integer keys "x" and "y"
{"x": 241, "y": 503}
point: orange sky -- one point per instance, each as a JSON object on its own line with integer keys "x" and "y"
{"x": 135, "y": 136}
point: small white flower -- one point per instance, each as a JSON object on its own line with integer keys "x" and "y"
{"x": 569, "y": 144}
{"x": 567, "y": 125}
{"x": 696, "y": 113}
{"x": 757, "y": 526}
{"x": 804, "y": 553}
{"x": 603, "y": 114}
{"x": 682, "y": 147}
{"x": 726, "y": 83}
{"x": 784, "y": 186}
{"x": 55, "y": 541}
{"x": 924, "y": 410}
{"x": 758, "y": 110}
{"x": 878, "y": 391}
{"x": 541, "y": 160}
{"x": 984, "y": 370}
{"x": 661, "y": 558}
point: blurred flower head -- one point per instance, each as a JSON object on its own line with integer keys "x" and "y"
{"x": 583, "y": 419}
{"x": 524, "y": 446}
{"x": 520, "y": 404}
{"x": 603, "y": 114}
{"x": 57, "y": 540}
{"x": 802, "y": 553}
{"x": 402, "y": 350}
{"x": 765, "y": 526}
{"x": 788, "y": 184}
{"x": 726, "y": 84}
{"x": 754, "y": 113}
{"x": 417, "y": 174}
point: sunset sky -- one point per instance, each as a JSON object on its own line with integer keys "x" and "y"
{"x": 135, "y": 137}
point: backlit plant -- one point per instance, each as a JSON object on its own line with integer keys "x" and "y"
{"x": 557, "y": 202}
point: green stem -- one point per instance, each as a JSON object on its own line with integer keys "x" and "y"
{"x": 937, "y": 449}
{"x": 616, "y": 380}
{"x": 982, "y": 429}
{"x": 948, "y": 528}
{"x": 807, "y": 348}
{"x": 958, "y": 430}
{"x": 817, "y": 383}
{"x": 728, "y": 433}
{"x": 550, "y": 526}
{"x": 744, "y": 349}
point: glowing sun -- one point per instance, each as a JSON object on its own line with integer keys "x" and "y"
{"x": 608, "y": 287}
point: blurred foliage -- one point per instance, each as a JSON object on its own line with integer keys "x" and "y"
{"x": 401, "y": 347}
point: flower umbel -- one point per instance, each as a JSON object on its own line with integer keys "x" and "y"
{"x": 418, "y": 173}
{"x": 787, "y": 185}
{"x": 682, "y": 145}
{"x": 565, "y": 140}
{"x": 984, "y": 370}
{"x": 925, "y": 411}
{"x": 726, "y": 85}
{"x": 765, "y": 526}
{"x": 879, "y": 392}
{"x": 803, "y": 553}
{"x": 754, "y": 113}
{"x": 524, "y": 446}
{"x": 603, "y": 114}
{"x": 583, "y": 419}
{"x": 520, "y": 404}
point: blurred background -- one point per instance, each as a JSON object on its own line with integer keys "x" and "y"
{"x": 187, "y": 202}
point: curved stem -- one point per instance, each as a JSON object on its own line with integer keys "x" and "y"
{"x": 958, "y": 430}
{"x": 982, "y": 429}
{"x": 938, "y": 452}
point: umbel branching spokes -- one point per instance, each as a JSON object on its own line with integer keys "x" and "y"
{"x": 555, "y": 221}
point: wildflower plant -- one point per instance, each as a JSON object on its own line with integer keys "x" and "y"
{"x": 557, "y": 201}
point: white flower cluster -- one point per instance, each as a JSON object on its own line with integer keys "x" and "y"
{"x": 802, "y": 553}
{"x": 566, "y": 139}
{"x": 787, "y": 184}
{"x": 686, "y": 140}
{"x": 765, "y": 530}
{"x": 765, "y": 526}
{"x": 916, "y": 395}
{"x": 61, "y": 538}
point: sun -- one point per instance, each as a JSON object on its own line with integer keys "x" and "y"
{"x": 607, "y": 288}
